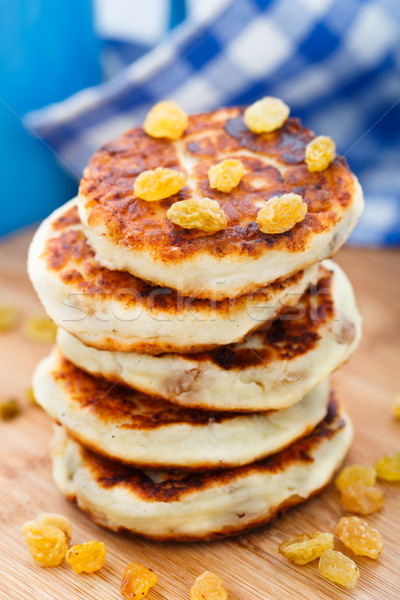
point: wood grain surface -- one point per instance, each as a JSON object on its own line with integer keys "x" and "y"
{"x": 250, "y": 565}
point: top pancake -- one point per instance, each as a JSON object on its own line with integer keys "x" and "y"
{"x": 134, "y": 235}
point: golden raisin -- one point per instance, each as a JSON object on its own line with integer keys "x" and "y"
{"x": 88, "y": 557}
{"x": 320, "y": 152}
{"x": 158, "y": 184}
{"x": 396, "y": 406}
{"x": 281, "y": 213}
{"x": 57, "y": 521}
{"x": 9, "y": 408}
{"x": 47, "y": 544}
{"x": 355, "y": 474}
{"x": 166, "y": 120}
{"x": 362, "y": 499}
{"x": 337, "y": 567}
{"x": 136, "y": 581}
{"x": 31, "y": 395}
{"x": 226, "y": 175}
{"x": 388, "y": 467}
{"x": 40, "y": 329}
{"x": 208, "y": 586}
{"x": 9, "y": 318}
{"x": 198, "y": 213}
{"x": 306, "y": 547}
{"x": 357, "y": 535}
{"x": 265, "y": 115}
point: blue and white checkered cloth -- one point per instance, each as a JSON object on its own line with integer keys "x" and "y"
{"x": 335, "y": 62}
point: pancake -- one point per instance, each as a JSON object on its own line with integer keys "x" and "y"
{"x": 272, "y": 369}
{"x": 201, "y": 506}
{"x": 132, "y": 428}
{"x": 130, "y": 234}
{"x": 113, "y": 310}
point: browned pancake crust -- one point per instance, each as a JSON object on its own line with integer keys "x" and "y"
{"x": 69, "y": 255}
{"x": 295, "y": 332}
{"x": 215, "y": 535}
{"x": 123, "y": 407}
{"x": 178, "y": 484}
{"x": 107, "y": 188}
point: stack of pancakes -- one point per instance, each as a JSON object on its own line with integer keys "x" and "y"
{"x": 190, "y": 378}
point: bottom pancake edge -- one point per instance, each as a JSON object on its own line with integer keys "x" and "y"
{"x": 177, "y": 506}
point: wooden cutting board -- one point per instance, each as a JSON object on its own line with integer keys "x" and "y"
{"x": 250, "y": 565}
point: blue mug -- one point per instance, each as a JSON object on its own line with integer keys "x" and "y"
{"x": 48, "y": 51}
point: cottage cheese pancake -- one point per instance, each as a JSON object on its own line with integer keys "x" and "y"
{"x": 273, "y": 368}
{"x": 131, "y": 234}
{"x": 207, "y": 505}
{"x": 132, "y": 428}
{"x": 113, "y": 310}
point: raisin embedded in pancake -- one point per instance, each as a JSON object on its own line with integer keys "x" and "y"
{"x": 273, "y": 368}
{"x": 133, "y": 235}
{"x": 201, "y": 506}
{"x": 113, "y": 310}
{"x": 132, "y": 428}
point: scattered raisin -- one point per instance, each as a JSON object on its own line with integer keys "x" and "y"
{"x": 362, "y": 499}
{"x": 31, "y": 396}
{"x": 198, "y": 213}
{"x": 166, "y": 120}
{"x": 47, "y": 543}
{"x": 337, "y": 567}
{"x": 265, "y": 115}
{"x": 40, "y": 329}
{"x": 396, "y": 406}
{"x": 136, "y": 581}
{"x": 357, "y": 535}
{"x": 88, "y": 557}
{"x": 57, "y": 521}
{"x": 281, "y": 213}
{"x": 226, "y": 175}
{"x": 320, "y": 152}
{"x": 388, "y": 467}
{"x": 9, "y": 318}
{"x": 208, "y": 586}
{"x": 158, "y": 184}
{"x": 306, "y": 547}
{"x": 355, "y": 474}
{"x": 9, "y": 408}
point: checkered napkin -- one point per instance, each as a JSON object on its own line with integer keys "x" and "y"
{"x": 335, "y": 62}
